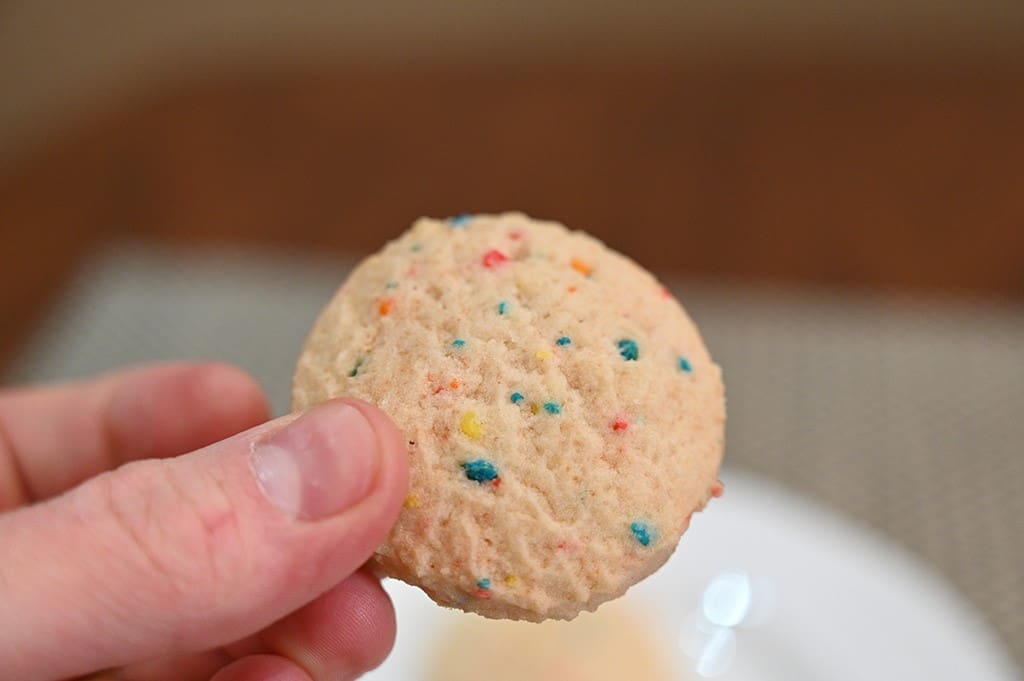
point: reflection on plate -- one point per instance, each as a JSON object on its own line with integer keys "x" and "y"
{"x": 618, "y": 642}
{"x": 766, "y": 586}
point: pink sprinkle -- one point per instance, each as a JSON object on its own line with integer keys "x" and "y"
{"x": 665, "y": 293}
{"x": 515, "y": 236}
{"x": 718, "y": 490}
{"x": 483, "y": 593}
{"x": 493, "y": 258}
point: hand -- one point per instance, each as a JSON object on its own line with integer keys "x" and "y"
{"x": 239, "y": 560}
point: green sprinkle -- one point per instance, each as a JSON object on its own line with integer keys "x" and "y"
{"x": 517, "y": 398}
{"x": 684, "y": 365}
{"x": 480, "y": 471}
{"x": 642, "y": 532}
{"x": 458, "y": 343}
{"x": 628, "y": 349}
{"x": 564, "y": 340}
{"x": 355, "y": 369}
{"x": 552, "y": 408}
{"x": 502, "y": 306}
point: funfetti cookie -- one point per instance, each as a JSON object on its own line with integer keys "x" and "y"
{"x": 563, "y": 416}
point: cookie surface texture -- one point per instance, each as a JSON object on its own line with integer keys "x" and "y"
{"x": 564, "y": 418}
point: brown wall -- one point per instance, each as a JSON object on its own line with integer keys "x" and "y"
{"x": 883, "y": 169}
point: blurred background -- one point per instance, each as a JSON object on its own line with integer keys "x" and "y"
{"x": 835, "y": 190}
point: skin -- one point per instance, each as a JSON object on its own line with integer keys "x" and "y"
{"x": 139, "y": 545}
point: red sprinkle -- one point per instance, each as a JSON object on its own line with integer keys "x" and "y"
{"x": 718, "y": 490}
{"x": 483, "y": 593}
{"x": 493, "y": 258}
{"x": 496, "y": 482}
{"x": 620, "y": 424}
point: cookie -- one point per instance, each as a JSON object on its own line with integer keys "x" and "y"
{"x": 564, "y": 418}
{"x": 610, "y": 645}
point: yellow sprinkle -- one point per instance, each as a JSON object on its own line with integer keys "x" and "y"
{"x": 511, "y": 580}
{"x": 412, "y": 501}
{"x": 543, "y": 354}
{"x": 471, "y": 426}
{"x": 534, "y": 407}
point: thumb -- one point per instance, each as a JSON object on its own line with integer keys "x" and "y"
{"x": 190, "y": 553}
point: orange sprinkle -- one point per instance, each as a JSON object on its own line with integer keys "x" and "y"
{"x": 454, "y": 384}
{"x": 571, "y": 289}
{"x": 581, "y": 267}
{"x": 385, "y": 306}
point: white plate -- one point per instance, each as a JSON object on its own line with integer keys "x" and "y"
{"x": 767, "y": 586}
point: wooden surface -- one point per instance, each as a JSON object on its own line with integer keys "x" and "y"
{"x": 908, "y": 178}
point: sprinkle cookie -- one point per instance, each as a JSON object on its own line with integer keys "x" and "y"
{"x": 564, "y": 419}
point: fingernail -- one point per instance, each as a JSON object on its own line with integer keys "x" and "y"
{"x": 320, "y": 464}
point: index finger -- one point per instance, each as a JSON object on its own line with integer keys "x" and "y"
{"x": 53, "y": 437}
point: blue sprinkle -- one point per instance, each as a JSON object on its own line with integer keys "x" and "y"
{"x": 517, "y": 398}
{"x": 564, "y": 340}
{"x": 355, "y": 369}
{"x": 483, "y": 583}
{"x": 502, "y": 306}
{"x": 391, "y": 284}
{"x": 480, "y": 470}
{"x": 628, "y": 349}
{"x": 641, "y": 532}
{"x": 458, "y": 343}
{"x": 552, "y": 408}
{"x": 460, "y": 220}
{"x": 684, "y": 364}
